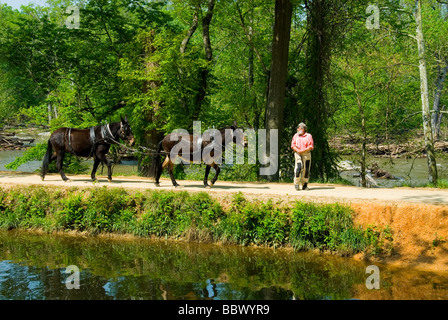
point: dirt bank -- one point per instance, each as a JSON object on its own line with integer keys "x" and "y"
{"x": 419, "y": 232}
{"x": 416, "y": 217}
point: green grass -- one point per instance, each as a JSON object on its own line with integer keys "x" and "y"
{"x": 190, "y": 216}
{"x": 441, "y": 184}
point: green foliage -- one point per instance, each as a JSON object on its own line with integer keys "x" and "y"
{"x": 180, "y": 214}
{"x": 438, "y": 241}
{"x": 325, "y": 227}
{"x": 104, "y": 209}
{"x": 34, "y": 153}
{"x": 25, "y": 208}
{"x": 192, "y": 216}
{"x": 179, "y": 172}
{"x": 255, "y": 222}
{"x": 236, "y": 172}
{"x": 72, "y": 164}
{"x": 441, "y": 184}
{"x": 51, "y": 76}
{"x": 380, "y": 241}
{"x": 71, "y": 213}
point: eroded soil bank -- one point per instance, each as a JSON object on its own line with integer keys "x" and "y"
{"x": 419, "y": 232}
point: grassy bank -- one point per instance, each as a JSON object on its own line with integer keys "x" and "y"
{"x": 441, "y": 184}
{"x": 189, "y": 216}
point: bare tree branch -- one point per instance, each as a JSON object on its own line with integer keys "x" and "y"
{"x": 190, "y": 32}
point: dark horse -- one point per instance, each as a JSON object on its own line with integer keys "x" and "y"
{"x": 207, "y": 147}
{"x": 95, "y": 142}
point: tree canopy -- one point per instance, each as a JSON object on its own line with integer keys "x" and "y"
{"x": 165, "y": 64}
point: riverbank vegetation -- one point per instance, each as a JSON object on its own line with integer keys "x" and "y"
{"x": 191, "y": 217}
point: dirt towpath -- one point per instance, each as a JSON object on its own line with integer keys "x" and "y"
{"x": 317, "y": 192}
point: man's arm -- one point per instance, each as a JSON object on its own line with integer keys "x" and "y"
{"x": 293, "y": 145}
{"x": 310, "y": 144}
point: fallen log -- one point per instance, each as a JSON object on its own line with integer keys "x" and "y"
{"x": 8, "y": 141}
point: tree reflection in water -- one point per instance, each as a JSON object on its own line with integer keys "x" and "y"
{"x": 33, "y": 267}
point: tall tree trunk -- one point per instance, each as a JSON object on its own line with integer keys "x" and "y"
{"x": 439, "y": 120}
{"x": 255, "y": 108}
{"x": 427, "y": 129}
{"x": 50, "y": 111}
{"x": 315, "y": 108}
{"x": 183, "y": 48}
{"x": 364, "y": 138}
{"x": 278, "y": 75}
{"x": 249, "y": 32}
{"x": 151, "y": 137}
{"x": 204, "y": 74}
{"x": 190, "y": 32}
{"x": 436, "y": 116}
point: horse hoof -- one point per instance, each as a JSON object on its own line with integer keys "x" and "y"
{"x": 67, "y": 180}
{"x": 208, "y": 187}
{"x": 178, "y": 186}
{"x": 110, "y": 180}
{"x": 157, "y": 184}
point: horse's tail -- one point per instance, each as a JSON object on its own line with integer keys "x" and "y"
{"x": 154, "y": 171}
{"x": 46, "y": 161}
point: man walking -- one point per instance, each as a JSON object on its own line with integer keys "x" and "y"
{"x": 302, "y": 144}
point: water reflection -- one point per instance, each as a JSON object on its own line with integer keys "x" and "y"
{"x": 22, "y": 282}
{"x": 33, "y": 267}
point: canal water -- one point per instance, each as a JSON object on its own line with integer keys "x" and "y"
{"x": 35, "y": 266}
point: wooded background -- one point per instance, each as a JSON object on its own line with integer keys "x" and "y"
{"x": 373, "y": 73}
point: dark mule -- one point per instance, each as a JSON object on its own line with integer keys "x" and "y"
{"x": 95, "y": 142}
{"x": 195, "y": 150}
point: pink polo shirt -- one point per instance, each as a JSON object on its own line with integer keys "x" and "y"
{"x": 302, "y": 142}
